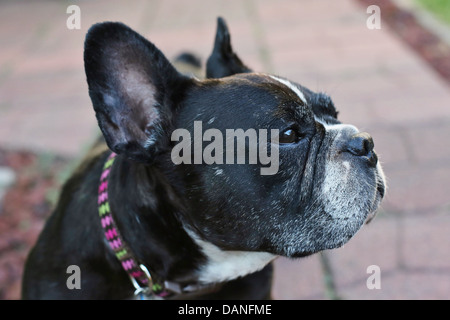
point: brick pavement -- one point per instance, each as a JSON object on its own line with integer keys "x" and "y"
{"x": 375, "y": 80}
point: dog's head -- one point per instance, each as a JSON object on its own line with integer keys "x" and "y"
{"x": 322, "y": 178}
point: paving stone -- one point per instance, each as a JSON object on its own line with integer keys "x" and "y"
{"x": 417, "y": 189}
{"x": 298, "y": 279}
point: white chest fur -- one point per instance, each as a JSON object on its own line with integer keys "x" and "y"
{"x": 222, "y": 265}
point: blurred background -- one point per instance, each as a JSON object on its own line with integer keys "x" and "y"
{"x": 392, "y": 81}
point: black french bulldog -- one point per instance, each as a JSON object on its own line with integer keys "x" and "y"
{"x": 196, "y": 229}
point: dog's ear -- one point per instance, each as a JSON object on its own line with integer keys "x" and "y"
{"x": 223, "y": 61}
{"x": 133, "y": 88}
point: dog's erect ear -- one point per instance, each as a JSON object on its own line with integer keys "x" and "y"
{"x": 223, "y": 61}
{"x": 133, "y": 88}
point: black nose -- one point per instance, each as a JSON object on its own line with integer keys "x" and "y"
{"x": 361, "y": 145}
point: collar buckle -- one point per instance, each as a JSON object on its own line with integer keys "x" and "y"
{"x": 146, "y": 290}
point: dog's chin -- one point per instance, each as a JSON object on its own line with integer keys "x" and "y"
{"x": 346, "y": 230}
{"x": 334, "y": 233}
{"x": 335, "y": 238}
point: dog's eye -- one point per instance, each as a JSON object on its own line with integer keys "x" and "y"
{"x": 289, "y": 136}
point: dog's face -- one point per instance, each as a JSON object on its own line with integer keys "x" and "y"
{"x": 327, "y": 181}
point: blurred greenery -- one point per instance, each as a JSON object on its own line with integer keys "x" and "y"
{"x": 440, "y": 8}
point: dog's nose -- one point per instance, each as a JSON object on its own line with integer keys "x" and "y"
{"x": 361, "y": 145}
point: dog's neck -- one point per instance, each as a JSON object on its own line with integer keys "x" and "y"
{"x": 139, "y": 197}
{"x": 148, "y": 221}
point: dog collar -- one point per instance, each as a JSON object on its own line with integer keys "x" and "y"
{"x": 140, "y": 277}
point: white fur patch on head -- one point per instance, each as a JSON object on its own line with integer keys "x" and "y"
{"x": 294, "y": 88}
{"x": 224, "y": 265}
{"x": 338, "y": 126}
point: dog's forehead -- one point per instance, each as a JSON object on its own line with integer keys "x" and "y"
{"x": 289, "y": 94}
{"x": 279, "y": 87}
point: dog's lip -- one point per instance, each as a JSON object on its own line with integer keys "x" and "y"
{"x": 370, "y": 216}
{"x": 303, "y": 254}
{"x": 381, "y": 189}
{"x": 379, "y": 196}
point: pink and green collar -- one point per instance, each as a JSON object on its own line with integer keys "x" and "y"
{"x": 138, "y": 272}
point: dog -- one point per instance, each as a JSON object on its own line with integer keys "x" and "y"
{"x": 138, "y": 220}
